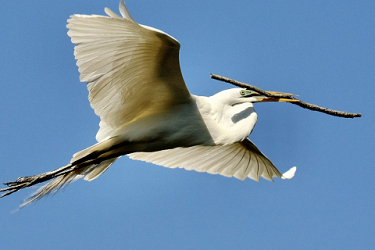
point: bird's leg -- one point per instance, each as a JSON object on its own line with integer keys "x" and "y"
{"x": 27, "y": 181}
{"x": 102, "y": 151}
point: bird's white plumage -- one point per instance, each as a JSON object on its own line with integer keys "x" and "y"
{"x": 227, "y": 116}
{"x": 240, "y": 160}
{"x": 132, "y": 70}
{"x": 99, "y": 169}
{"x": 136, "y": 88}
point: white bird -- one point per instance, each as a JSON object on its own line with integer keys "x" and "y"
{"x": 136, "y": 88}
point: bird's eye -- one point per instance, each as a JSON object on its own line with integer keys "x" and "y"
{"x": 242, "y": 92}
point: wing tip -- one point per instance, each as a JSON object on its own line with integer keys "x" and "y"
{"x": 289, "y": 174}
{"x": 110, "y": 13}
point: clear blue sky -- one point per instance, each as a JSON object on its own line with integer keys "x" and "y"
{"x": 324, "y": 51}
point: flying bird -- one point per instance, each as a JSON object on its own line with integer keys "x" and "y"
{"x": 136, "y": 87}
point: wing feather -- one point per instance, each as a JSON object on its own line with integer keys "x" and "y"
{"x": 241, "y": 160}
{"x": 132, "y": 70}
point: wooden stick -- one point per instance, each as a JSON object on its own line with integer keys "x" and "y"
{"x": 289, "y": 96}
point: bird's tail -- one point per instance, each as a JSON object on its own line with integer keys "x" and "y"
{"x": 88, "y": 163}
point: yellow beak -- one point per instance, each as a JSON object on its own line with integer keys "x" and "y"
{"x": 275, "y": 99}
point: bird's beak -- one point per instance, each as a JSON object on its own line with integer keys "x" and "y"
{"x": 274, "y": 99}
{"x": 255, "y": 94}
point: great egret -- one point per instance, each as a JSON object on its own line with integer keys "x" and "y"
{"x": 136, "y": 87}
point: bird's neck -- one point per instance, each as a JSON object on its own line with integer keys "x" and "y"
{"x": 227, "y": 124}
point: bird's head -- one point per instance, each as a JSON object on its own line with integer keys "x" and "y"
{"x": 231, "y": 116}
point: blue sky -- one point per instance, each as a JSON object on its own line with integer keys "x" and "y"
{"x": 321, "y": 50}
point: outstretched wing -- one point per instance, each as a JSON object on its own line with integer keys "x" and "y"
{"x": 131, "y": 70}
{"x": 240, "y": 160}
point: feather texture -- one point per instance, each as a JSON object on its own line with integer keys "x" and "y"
{"x": 136, "y": 88}
{"x": 241, "y": 160}
{"x": 123, "y": 62}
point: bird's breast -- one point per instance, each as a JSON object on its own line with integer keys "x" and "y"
{"x": 180, "y": 126}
